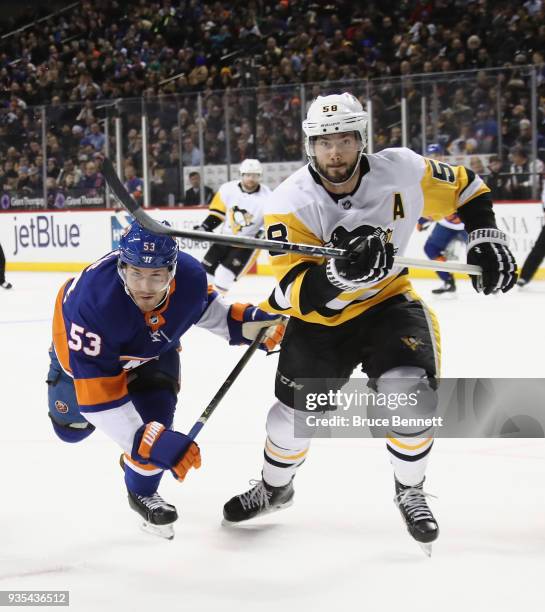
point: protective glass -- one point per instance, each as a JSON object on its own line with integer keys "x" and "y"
{"x": 148, "y": 280}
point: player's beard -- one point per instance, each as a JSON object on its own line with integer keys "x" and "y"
{"x": 337, "y": 175}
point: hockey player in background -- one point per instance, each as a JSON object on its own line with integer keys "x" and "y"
{"x": 238, "y": 208}
{"x": 3, "y": 282}
{"x": 445, "y": 235}
{"x": 536, "y": 255}
{"x": 115, "y": 358}
{"x": 363, "y": 310}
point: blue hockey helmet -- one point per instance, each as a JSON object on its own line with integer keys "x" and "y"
{"x": 139, "y": 247}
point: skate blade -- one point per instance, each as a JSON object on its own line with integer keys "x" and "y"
{"x": 447, "y": 296}
{"x": 227, "y": 523}
{"x": 427, "y": 548}
{"x": 162, "y": 531}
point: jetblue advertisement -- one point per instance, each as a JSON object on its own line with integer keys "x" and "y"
{"x": 80, "y": 237}
{"x": 51, "y": 240}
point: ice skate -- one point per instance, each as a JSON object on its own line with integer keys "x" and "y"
{"x": 418, "y": 517}
{"x": 261, "y": 499}
{"x": 159, "y": 517}
{"x": 6, "y": 285}
{"x": 448, "y": 286}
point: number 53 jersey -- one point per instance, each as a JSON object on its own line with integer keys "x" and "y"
{"x": 396, "y": 187}
{"x": 99, "y": 333}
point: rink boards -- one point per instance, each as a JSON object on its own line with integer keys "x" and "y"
{"x": 69, "y": 240}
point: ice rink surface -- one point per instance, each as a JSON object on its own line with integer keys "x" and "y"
{"x": 65, "y": 523}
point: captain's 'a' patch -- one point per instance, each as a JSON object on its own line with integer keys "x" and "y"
{"x": 399, "y": 213}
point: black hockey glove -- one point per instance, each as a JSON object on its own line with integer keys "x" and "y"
{"x": 488, "y": 248}
{"x": 370, "y": 259}
{"x": 209, "y": 224}
{"x": 423, "y": 224}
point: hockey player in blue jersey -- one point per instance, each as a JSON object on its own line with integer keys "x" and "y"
{"x": 445, "y": 235}
{"x": 115, "y": 359}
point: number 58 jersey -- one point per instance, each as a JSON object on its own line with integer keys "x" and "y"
{"x": 396, "y": 187}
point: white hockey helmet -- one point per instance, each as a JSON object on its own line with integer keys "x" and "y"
{"x": 251, "y": 166}
{"x": 334, "y": 114}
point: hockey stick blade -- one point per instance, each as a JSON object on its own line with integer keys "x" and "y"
{"x": 124, "y": 197}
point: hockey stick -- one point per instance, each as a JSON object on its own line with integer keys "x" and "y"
{"x": 244, "y": 242}
{"x": 227, "y": 384}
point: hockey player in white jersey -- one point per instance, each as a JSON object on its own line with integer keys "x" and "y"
{"x": 362, "y": 311}
{"x": 238, "y": 208}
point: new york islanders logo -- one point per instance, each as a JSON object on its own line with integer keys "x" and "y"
{"x": 61, "y": 407}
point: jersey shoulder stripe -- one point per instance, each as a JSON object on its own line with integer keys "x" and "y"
{"x": 217, "y": 205}
{"x": 60, "y": 341}
{"x": 102, "y": 393}
{"x": 446, "y": 187}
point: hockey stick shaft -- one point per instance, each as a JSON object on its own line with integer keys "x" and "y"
{"x": 227, "y": 384}
{"x": 245, "y": 242}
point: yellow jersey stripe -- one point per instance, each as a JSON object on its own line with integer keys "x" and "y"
{"x": 218, "y": 205}
{"x": 411, "y": 447}
{"x": 291, "y": 457}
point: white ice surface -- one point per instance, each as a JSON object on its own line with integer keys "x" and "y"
{"x": 65, "y": 522}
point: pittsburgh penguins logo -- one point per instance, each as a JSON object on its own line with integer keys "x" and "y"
{"x": 341, "y": 234}
{"x": 61, "y": 407}
{"x": 411, "y": 342}
{"x": 239, "y": 218}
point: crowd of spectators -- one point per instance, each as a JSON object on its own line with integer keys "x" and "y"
{"x": 248, "y": 61}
